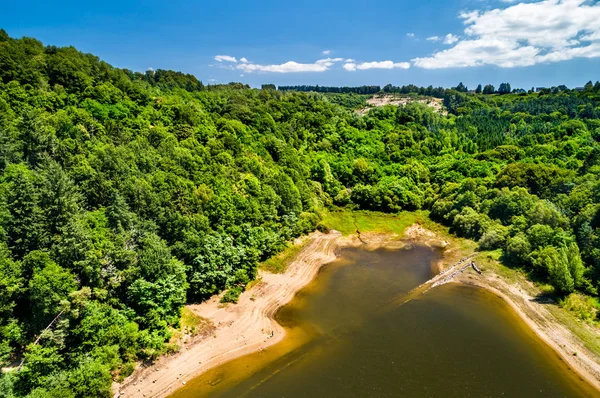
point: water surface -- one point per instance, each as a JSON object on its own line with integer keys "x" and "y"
{"x": 347, "y": 336}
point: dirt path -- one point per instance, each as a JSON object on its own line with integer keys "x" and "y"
{"x": 240, "y": 329}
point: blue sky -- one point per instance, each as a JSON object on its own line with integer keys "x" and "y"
{"x": 340, "y": 42}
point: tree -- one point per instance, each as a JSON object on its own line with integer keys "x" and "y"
{"x": 461, "y": 88}
{"x": 118, "y": 213}
{"x": 59, "y": 198}
{"x": 269, "y": 87}
{"x": 504, "y": 88}
{"x": 518, "y": 250}
{"x": 25, "y": 224}
{"x": 560, "y": 275}
{"x": 478, "y": 90}
{"x": 494, "y": 237}
{"x": 37, "y": 138}
{"x": 576, "y": 267}
{"x": 470, "y": 224}
{"x": 489, "y": 89}
{"x": 49, "y": 285}
{"x": 11, "y": 286}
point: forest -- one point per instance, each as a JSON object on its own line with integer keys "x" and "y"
{"x": 125, "y": 195}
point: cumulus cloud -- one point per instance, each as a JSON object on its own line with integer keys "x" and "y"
{"x": 433, "y": 38}
{"x": 226, "y": 58}
{"x": 353, "y": 66}
{"x": 320, "y": 65}
{"x": 450, "y": 39}
{"x": 523, "y": 34}
{"x": 326, "y": 52}
{"x": 410, "y": 34}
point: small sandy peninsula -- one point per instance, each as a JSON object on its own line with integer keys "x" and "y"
{"x": 249, "y": 326}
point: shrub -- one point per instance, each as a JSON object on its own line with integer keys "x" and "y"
{"x": 584, "y": 307}
{"x": 232, "y": 295}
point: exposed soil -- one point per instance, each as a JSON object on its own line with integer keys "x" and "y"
{"x": 399, "y": 100}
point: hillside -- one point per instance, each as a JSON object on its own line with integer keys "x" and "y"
{"x": 124, "y": 195}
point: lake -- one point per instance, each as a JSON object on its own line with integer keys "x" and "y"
{"x": 348, "y": 335}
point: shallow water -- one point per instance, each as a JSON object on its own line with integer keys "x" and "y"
{"x": 348, "y": 337}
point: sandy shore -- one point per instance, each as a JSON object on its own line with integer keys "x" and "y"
{"x": 537, "y": 316}
{"x": 249, "y": 326}
{"x": 241, "y": 329}
{"x": 521, "y": 296}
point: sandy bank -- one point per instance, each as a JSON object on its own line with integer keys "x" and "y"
{"x": 536, "y": 315}
{"x": 245, "y": 327}
{"x": 521, "y": 296}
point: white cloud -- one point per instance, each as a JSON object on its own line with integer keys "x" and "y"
{"x": 433, "y": 38}
{"x": 523, "y": 34}
{"x": 353, "y": 66}
{"x": 320, "y": 65}
{"x": 450, "y": 39}
{"x": 226, "y": 58}
{"x": 410, "y": 34}
{"x": 329, "y": 61}
{"x": 326, "y": 52}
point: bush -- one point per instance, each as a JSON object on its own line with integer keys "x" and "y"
{"x": 494, "y": 238}
{"x": 232, "y": 295}
{"x": 584, "y": 307}
{"x": 323, "y": 228}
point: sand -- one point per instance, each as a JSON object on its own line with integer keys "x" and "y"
{"x": 243, "y": 328}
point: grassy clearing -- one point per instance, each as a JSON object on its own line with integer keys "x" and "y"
{"x": 348, "y": 221}
{"x": 193, "y": 324}
{"x": 279, "y": 263}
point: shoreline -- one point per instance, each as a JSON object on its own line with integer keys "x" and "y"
{"x": 581, "y": 361}
{"x": 240, "y": 329}
{"x": 250, "y": 326}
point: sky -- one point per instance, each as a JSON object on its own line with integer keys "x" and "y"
{"x": 330, "y": 42}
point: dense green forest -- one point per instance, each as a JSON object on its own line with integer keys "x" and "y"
{"x": 125, "y": 195}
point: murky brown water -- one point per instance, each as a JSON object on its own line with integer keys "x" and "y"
{"x": 346, "y": 339}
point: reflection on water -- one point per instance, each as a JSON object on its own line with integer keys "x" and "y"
{"x": 346, "y": 340}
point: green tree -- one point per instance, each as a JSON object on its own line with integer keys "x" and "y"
{"x": 48, "y": 287}
{"x": 24, "y": 226}
{"x": 489, "y": 89}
